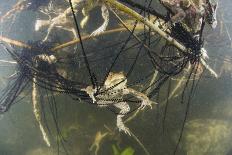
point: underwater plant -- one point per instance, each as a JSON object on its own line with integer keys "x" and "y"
{"x": 126, "y": 151}
{"x": 124, "y": 74}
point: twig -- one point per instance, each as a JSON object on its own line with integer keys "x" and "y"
{"x": 152, "y": 81}
{"x": 70, "y": 43}
{"x": 17, "y": 7}
{"x": 141, "y": 144}
{"x": 86, "y": 38}
{"x": 153, "y": 26}
{"x": 14, "y": 42}
{"x": 10, "y": 62}
{"x": 37, "y": 112}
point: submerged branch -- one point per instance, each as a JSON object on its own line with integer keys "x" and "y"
{"x": 7, "y": 61}
{"x": 37, "y": 112}
{"x": 14, "y": 42}
{"x": 153, "y": 26}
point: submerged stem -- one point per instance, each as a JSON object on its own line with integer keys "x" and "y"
{"x": 36, "y": 111}
{"x": 153, "y": 26}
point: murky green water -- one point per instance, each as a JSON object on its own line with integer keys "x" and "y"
{"x": 208, "y": 129}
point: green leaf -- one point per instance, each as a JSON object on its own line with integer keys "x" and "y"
{"x": 115, "y": 150}
{"x": 128, "y": 151}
